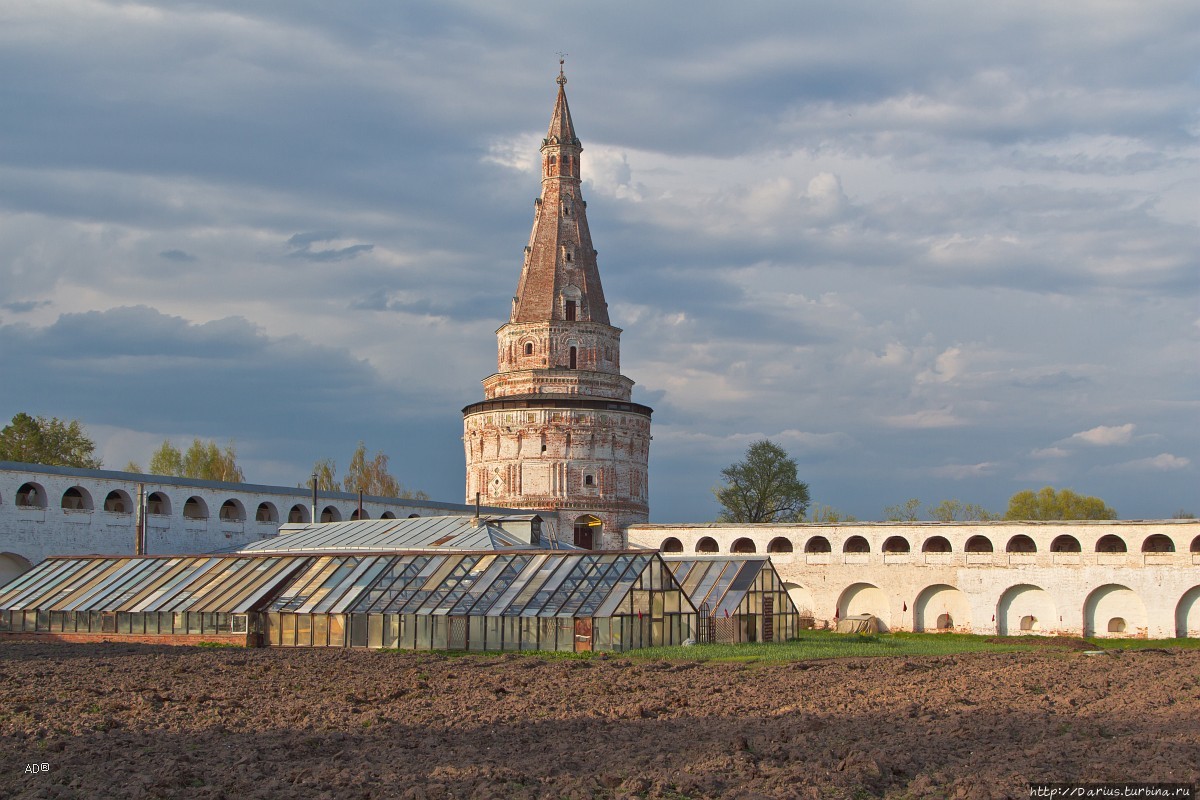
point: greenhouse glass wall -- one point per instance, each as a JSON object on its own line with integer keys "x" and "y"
{"x": 738, "y": 598}
{"x": 517, "y": 600}
{"x": 483, "y": 601}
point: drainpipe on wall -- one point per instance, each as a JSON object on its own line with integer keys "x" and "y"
{"x": 314, "y": 504}
{"x": 139, "y": 525}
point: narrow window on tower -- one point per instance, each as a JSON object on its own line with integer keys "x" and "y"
{"x": 529, "y": 348}
{"x": 589, "y": 480}
{"x": 573, "y": 354}
{"x": 571, "y": 315}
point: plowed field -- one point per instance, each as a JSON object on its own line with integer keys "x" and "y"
{"x": 115, "y": 720}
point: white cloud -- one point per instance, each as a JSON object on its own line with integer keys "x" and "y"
{"x": 1163, "y": 462}
{"x": 1104, "y": 435}
{"x": 961, "y": 471}
{"x": 518, "y": 153}
{"x": 928, "y": 418}
{"x": 948, "y": 366}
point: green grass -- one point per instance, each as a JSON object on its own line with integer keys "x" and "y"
{"x": 1145, "y": 644}
{"x": 827, "y": 644}
{"x": 812, "y": 645}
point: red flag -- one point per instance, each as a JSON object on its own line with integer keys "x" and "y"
{"x": 727, "y": 613}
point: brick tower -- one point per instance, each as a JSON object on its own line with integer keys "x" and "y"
{"x": 557, "y": 431}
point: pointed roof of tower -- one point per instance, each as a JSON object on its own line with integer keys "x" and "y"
{"x": 560, "y": 280}
{"x": 562, "y": 130}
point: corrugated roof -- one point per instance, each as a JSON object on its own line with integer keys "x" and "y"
{"x": 417, "y": 533}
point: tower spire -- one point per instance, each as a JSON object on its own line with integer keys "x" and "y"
{"x": 562, "y": 129}
{"x": 560, "y": 279}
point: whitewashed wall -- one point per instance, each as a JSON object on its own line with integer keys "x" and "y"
{"x": 1154, "y": 594}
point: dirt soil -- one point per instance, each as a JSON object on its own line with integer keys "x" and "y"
{"x": 121, "y": 720}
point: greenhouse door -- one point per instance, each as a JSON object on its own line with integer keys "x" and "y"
{"x": 583, "y": 634}
{"x": 458, "y": 634}
{"x": 768, "y": 608}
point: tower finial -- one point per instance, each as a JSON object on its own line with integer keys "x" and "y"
{"x": 562, "y": 59}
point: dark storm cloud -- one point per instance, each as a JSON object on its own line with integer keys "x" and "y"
{"x": 138, "y": 367}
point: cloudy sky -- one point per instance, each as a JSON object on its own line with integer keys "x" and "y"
{"x": 935, "y": 250}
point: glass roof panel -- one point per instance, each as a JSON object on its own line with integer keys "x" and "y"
{"x": 584, "y": 588}
{"x": 497, "y": 598}
{"x": 530, "y": 581}
{"x": 489, "y": 602}
{"x": 330, "y": 583}
{"x": 390, "y": 585}
{"x": 99, "y": 584}
{"x": 275, "y": 572}
{"x": 137, "y": 584}
{"x": 39, "y": 582}
{"x": 620, "y": 589}
{"x": 355, "y": 585}
{"x": 474, "y": 601}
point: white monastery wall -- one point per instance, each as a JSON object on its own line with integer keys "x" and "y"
{"x": 78, "y": 511}
{"x": 1038, "y": 577}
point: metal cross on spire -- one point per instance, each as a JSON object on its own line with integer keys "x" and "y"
{"x": 562, "y": 58}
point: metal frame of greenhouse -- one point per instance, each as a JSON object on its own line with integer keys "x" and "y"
{"x": 425, "y": 600}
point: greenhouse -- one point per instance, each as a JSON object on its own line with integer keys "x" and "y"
{"x": 738, "y": 598}
{"x": 424, "y": 600}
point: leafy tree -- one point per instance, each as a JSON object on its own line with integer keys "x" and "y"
{"x": 203, "y": 461}
{"x": 132, "y": 466}
{"x": 763, "y": 488}
{"x": 908, "y": 512}
{"x": 1183, "y": 514}
{"x": 953, "y": 511}
{"x": 371, "y": 476}
{"x": 368, "y": 474}
{"x": 206, "y": 461}
{"x": 326, "y": 472}
{"x": 1049, "y": 503}
{"x": 166, "y": 460}
{"x": 54, "y": 442}
{"x": 829, "y": 514}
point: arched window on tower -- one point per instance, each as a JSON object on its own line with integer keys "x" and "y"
{"x": 570, "y": 311}
{"x": 574, "y": 358}
{"x": 529, "y": 348}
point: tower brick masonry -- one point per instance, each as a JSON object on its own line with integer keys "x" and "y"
{"x": 557, "y": 431}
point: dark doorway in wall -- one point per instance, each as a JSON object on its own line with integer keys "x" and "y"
{"x": 587, "y": 531}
